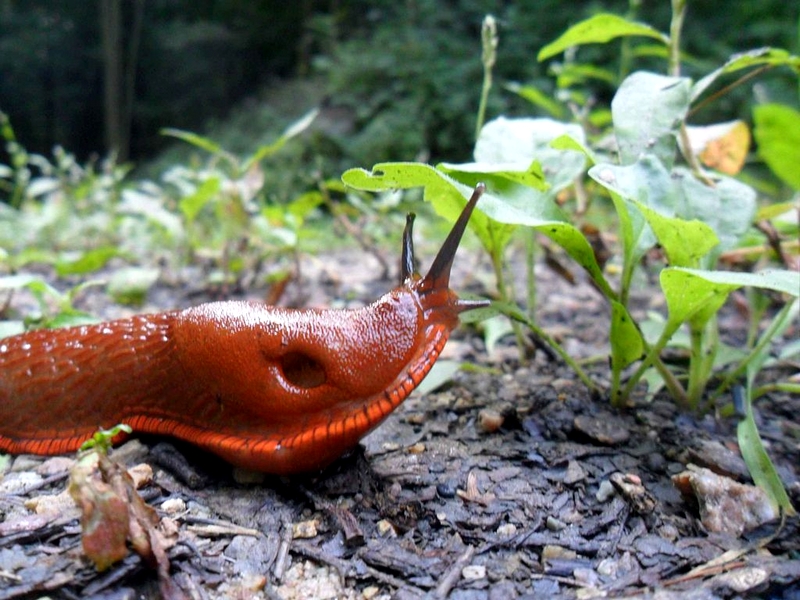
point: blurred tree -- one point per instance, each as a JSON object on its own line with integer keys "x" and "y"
{"x": 119, "y": 71}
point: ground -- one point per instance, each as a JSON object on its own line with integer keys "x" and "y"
{"x": 510, "y": 481}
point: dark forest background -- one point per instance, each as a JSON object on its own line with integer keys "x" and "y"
{"x": 396, "y": 77}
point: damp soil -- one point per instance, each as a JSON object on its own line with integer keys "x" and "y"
{"x": 509, "y": 481}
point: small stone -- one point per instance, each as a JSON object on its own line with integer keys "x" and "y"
{"x": 417, "y": 448}
{"x": 369, "y": 592}
{"x": 605, "y": 491}
{"x": 554, "y": 524}
{"x": 489, "y": 420}
{"x": 173, "y": 506}
{"x": 305, "y": 529}
{"x": 725, "y": 505}
{"x": 552, "y": 552}
{"x": 506, "y": 530}
{"x": 473, "y": 572}
{"x": 386, "y": 529}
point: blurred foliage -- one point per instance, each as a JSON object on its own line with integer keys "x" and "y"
{"x": 398, "y": 77}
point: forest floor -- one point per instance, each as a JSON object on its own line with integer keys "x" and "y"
{"x": 509, "y": 482}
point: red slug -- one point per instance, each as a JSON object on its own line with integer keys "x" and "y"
{"x": 266, "y": 388}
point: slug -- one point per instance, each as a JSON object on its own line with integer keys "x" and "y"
{"x": 266, "y": 388}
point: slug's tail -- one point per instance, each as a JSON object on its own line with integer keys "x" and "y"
{"x": 438, "y": 277}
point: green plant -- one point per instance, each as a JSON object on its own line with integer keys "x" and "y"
{"x": 694, "y": 215}
{"x": 218, "y": 203}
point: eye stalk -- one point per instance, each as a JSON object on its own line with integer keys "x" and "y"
{"x": 438, "y": 277}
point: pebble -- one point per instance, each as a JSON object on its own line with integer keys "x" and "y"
{"x": 725, "y": 505}
{"x": 473, "y": 572}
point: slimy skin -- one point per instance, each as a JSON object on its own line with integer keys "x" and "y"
{"x": 266, "y": 388}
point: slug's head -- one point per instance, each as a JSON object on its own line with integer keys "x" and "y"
{"x": 438, "y": 301}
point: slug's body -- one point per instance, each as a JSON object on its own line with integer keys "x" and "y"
{"x": 266, "y": 388}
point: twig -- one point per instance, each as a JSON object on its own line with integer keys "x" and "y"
{"x": 453, "y": 574}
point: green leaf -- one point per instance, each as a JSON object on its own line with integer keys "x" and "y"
{"x": 538, "y": 98}
{"x": 777, "y": 132}
{"x": 647, "y": 111}
{"x": 599, "y": 29}
{"x": 757, "y": 460}
{"x": 753, "y": 58}
{"x": 696, "y": 295}
{"x": 192, "y": 204}
{"x": 495, "y": 215}
{"x": 626, "y": 341}
{"x": 516, "y": 143}
{"x": 293, "y": 130}
{"x": 728, "y": 207}
{"x": 88, "y": 262}
{"x": 777, "y": 280}
{"x": 194, "y": 139}
{"x": 531, "y": 177}
{"x": 684, "y": 242}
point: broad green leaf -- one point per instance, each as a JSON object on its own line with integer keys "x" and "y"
{"x": 495, "y": 217}
{"x": 645, "y": 181}
{"x": 191, "y": 205}
{"x": 777, "y": 131}
{"x": 9, "y": 328}
{"x": 194, "y": 139}
{"x": 729, "y": 206}
{"x": 647, "y": 112}
{"x": 520, "y": 142}
{"x": 538, "y": 98}
{"x": 626, "y": 341}
{"x": 494, "y": 329}
{"x": 753, "y": 58}
{"x": 691, "y": 297}
{"x": 567, "y": 142}
{"x": 696, "y": 295}
{"x": 777, "y": 280}
{"x": 599, "y": 29}
{"x": 88, "y": 262}
{"x": 531, "y": 177}
{"x": 684, "y": 242}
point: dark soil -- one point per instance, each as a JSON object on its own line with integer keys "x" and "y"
{"x": 511, "y": 482}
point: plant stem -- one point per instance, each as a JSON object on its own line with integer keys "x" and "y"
{"x": 777, "y": 323}
{"x": 542, "y": 335}
{"x": 489, "y": 42}
{"x": 675, "y": 26}
{"x": 530, "y": 257}
{"x": 652, "y": 358}
{"x": 704, "y": 343}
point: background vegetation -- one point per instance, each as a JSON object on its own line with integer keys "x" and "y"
{"x": 398, "y": 78}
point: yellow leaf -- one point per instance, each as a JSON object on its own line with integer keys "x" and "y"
{"x": 723, "y": 146}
